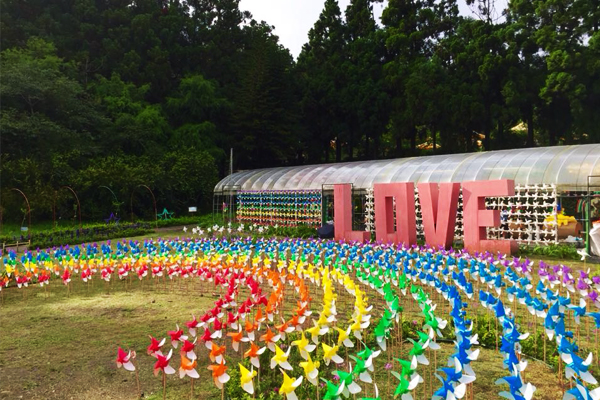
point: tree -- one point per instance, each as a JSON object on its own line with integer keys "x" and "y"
{"x": 364, "y": 99}
{"x": 320, "y": 68}
{"x": 265, "y": 116}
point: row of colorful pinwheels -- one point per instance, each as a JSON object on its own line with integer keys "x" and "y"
{"x": 358, "y": 269}
{"x": 288, "y": 208}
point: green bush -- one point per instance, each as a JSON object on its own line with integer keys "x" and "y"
{"x": 562, "y": 251}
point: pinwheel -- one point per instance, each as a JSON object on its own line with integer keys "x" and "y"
{"x": 177, "y": 336}
{"x": 192, "y": 326}
{"x": 578, "y": 311}
{"x": 344, "y": 337}
{"x": 288, "y": 386}
{"x": 254, "y": 353}
{"x": 219, "y": 374}
{"x": 155, "y": 346}
{"x": 270, "y": 339}
{"x": 188, "y": 368}
{"x": 347, "y": 383}
{"x": 580, "y": 392}
{"x": 247, "y": 379}
{"x": 162, "y": 363}
{"x": 124, "y": 359}
{"x": 449, "y": 390}
{"x": 361, "y": 369}
{"x": 576, "y": 366}
{"x": 281, "y": 359}
{"x": 316, "y": 331}
{"x": 236, "y": 339}
{"x": 518, "y": 391}
{"x": 216, "y": 353}
{"x": 405, "y": 386}
{"x": 311, "y": 370}
{"x": 304, "y": 346}
{"x": 330, "y": 354}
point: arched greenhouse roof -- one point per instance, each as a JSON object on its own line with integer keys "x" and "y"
{"x": 568, "y": 167}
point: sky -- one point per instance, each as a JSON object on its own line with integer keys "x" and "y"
{"x": 294, "y": 18}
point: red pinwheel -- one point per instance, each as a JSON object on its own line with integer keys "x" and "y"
{"x": 155, "y": 346}
{"x": 66, "y": 276}
{"x": 232, "y": 321}
{"x": 124, "y": 359}
{"x": 207, "y": 338}
{"x": 162, "y": 364}
{"x": 188, "y": 349}
{"x": 192, "y": 326}
{"x": 177, "y": 336}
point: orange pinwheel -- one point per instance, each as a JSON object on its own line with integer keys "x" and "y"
{"x": 219, "y": 374}
{"x": 283, "y": 329}
{"x": 236, "y": 338}
{"x": 270, "y": 339}
{"x": 188, "y": 368}
{"x": 216, "y": 353}
{"x": 254, "y": 354}
{"x": 250, "y": 328}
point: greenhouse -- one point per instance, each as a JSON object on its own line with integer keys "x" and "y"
{"x": 557, "y": 190}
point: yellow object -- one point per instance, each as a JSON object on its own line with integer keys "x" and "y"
{"x": 561, "y": 219}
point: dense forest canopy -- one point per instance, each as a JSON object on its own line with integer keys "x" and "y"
{"x": 122, "y": 93}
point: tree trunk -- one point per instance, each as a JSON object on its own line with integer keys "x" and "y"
{"x": 530, "y": 138}
{"x": 338, "y": 149}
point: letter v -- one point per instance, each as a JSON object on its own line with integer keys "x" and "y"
{"x": 438, "y": 208}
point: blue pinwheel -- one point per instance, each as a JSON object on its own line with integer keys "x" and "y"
{"x": 518, "y": 390}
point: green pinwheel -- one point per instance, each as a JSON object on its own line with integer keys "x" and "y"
{"x": 347, "y": 383}
{"x": 405, "y": 386}
{"x": 360, "y": 370}
{"x": 333, "y": 391}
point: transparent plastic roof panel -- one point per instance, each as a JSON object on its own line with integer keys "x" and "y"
{"x": 568, "y": 167}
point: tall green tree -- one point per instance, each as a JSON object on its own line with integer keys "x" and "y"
{"x": 320, "y": 68}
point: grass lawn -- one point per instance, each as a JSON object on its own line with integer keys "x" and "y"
{"x": 55, "y": 346}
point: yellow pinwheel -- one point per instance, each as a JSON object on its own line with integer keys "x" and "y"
{"x": 330, "y": 354}
{"x": 344, "y": 337}
{"x": 247, "y": 379}
{"x": 311, "y": 370}
{"x": 280, "y": 358}
{"x": 304, "y": 346}
{"x": 316, "y": 331}
{"x": 288, "y": 386}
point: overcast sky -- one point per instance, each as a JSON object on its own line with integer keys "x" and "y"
{"x": 294, "y": 18}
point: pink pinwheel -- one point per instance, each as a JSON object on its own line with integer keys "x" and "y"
{"x": 124, "y": 359}
{"x": 155, "y": 346}
{"x": 176, "y": 337}
{"x": 162, "y": 364}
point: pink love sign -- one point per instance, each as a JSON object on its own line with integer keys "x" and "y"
{"x": 439, "y": 204}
